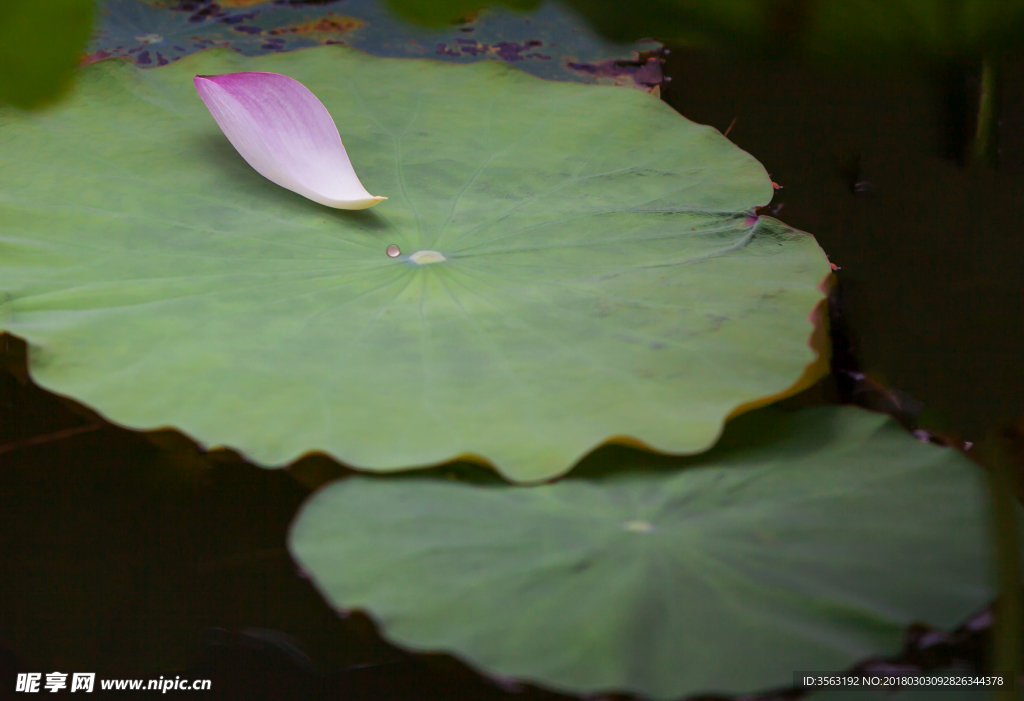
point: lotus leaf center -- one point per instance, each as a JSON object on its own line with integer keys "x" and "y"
{"x": 638, "y": 526}
{"x": 424, "y": 257}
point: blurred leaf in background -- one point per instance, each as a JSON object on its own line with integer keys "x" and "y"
{"x": 936, "y": 30}
{"x": 551, "y": 42}
{"x": 40, "y": 46}
{"x": 845, "y": 30}
{"x": 740, "y": 23}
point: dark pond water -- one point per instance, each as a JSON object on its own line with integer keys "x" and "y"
{"x": 871, "y": 163}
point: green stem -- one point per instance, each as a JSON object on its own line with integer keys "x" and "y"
{"x": 1008, "y": 625}
{"x": 986, "y": 144}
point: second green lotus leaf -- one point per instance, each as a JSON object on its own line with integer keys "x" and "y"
{"x": 577, "y": 263}
{"x": 802, "y": 541}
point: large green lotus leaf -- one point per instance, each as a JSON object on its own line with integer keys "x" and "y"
{"x": 803, "y": 541}
{"x": 602, "y": 276}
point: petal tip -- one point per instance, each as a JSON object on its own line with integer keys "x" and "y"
{"x": 362, "y": 204}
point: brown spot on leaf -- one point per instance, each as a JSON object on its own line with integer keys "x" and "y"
{"x": 93, "y": 57}
{"x": 644, "y": 72}
{"x": 469, "y": 18}
{"x": 329, "y": 24}
{"x": 505, "y": 50}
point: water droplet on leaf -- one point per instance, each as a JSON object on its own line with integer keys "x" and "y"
{"x": 394, "y": 251}
{"x": 426, "y": 257}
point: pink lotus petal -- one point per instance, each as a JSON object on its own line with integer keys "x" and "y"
{"x": 285, "y": 133}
